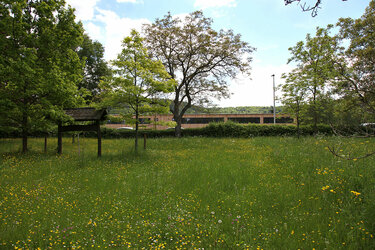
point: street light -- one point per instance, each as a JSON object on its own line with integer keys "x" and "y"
{"x": 274, "y": 107}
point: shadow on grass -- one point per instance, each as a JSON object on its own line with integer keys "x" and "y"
{"x": 129, "y": 155}
{"x": 72, "y": 161}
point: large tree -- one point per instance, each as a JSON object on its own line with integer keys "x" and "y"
{"x": 357, "y": 65}
{"x": 294, "y": 93}
{"x": 314, "y": 70}
{"x": 356, "y": 70}
{"x": 200, "y": 59}
{"x": 138, "y": 82}
{"x": 92, "y": 53}
{"x": 39, "y": 65}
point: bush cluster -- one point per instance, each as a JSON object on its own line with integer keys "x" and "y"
{"x": 228, "y": 129}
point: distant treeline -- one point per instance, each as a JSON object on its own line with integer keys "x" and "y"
{"x": 245, "y": 110}
{"x": 226, "y": 110}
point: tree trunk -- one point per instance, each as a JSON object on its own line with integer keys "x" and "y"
{"x": 136, "y": 130}
{"x": 315, "y": 119}
{"x": 59, "y": 139}
{"x": 24, "y": 132}
{"x": 177, "y": 118}
{"x": 298, "y": 129}
{"x": 315, "y": 111}
{"x": 24, "y": 142}
{"x": 177, "y": 129}
{"x": 177, "y": 115}
{"x": 297, "y": 119}
{"x": 45, "y": 143}
{"x": 99, "y": 139}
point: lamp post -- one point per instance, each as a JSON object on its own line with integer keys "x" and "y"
{"x": 274, "y": 107}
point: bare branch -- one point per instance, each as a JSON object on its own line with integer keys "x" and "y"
{"x": 335, "y": 153}
{"x": 308, "y": 8}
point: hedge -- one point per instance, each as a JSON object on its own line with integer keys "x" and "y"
{"x": 228, "y": 129}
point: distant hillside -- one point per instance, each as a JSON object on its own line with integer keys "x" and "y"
{"x": 232, "y": 110}
{"x": 226, "y": 110}
{"x": 246, "y": 110}
{"x": 235, "y": 110}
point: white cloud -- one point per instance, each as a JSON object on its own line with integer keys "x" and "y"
{"x": 130, "y": 1}
{"x": 218, "y": 13}
{"x": 259, "y": 90}
{"x": 84, "y": 8}
{"x": 94, "y": 31}
{"x": 105, "y": 25}
{"x": 204, "y": 4}
{"x": 115, "y": 30}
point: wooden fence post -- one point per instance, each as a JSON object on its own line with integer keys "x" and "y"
{"x": 45, "y": 143}
{"x": 59, "y": 139}
{"x": 99, "y": 139}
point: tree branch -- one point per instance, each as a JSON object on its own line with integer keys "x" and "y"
{"x": 335, "y": 153}
{"x": 306, "y": 8}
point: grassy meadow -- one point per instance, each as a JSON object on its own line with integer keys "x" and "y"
{"x": 189, "y": 193}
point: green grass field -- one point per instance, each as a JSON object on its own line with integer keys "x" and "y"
{"x": 266, "y": 193}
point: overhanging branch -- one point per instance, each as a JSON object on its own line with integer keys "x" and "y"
{"x": 349, "y": 157}
{"x": 312, "y": 8}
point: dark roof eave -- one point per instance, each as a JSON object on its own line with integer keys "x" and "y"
{"x": 86, "y": 114}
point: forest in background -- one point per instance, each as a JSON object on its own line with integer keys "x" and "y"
{"x": 235, "y": 110}
{"x": 224, "y": 110}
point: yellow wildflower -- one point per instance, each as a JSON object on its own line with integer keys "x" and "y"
{"x": 355, "y": 193}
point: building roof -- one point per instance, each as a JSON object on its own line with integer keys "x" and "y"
{"x": 86, "y": 114}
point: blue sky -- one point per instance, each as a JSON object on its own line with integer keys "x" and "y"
{"x": 267, "y": 25}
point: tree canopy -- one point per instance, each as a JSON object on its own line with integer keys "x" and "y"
{"x": 335, "y": 73}
{"x": 357, "y": 66}
{"x": 200, "y": 59}
{"x": 314, "y": 70}
{"x": 39, "y": 65}
{"x": 92, "y": 53}
{"x": 138, "y": 82}
{"x": 294, "y": 93}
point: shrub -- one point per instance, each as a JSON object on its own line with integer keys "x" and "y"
{"x": 228, "y": 129}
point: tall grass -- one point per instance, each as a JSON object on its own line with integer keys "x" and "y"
{"x": 188, "y": 193}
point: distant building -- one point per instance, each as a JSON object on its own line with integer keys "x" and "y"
{"x": 202, "y": 120}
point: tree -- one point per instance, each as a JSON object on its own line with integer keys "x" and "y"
{"x": 138, "y": 82}
{"x": 294, "y": 95}
{"x": 313, "y": 8}
{"x": 199, "y": 58}
{"x": 92, "y": 53}
{"x": 356, "y": 70}
{"x": 38, "y": 62}
{"x": 315, "y": 59}
{"x": 357, "y": 66}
